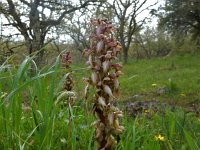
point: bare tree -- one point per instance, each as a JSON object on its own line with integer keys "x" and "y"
{"x": 78, "y": 26}
{"x": 126, "y": 15}
{"x": 35, "y": 18}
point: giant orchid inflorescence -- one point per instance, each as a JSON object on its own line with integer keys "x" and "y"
{"x": 101, "y": 54}
{"x": 66, "y": 95}
{"x": 66, "y": 60}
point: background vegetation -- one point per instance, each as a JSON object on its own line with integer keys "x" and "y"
{"x": 159, "y": 91}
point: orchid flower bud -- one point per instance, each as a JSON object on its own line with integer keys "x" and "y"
{"x": 116, "y": 83}
{"x": 118, "y": 73}
{"x": 94, "y": 77}
{"x": 110, "y": 118}
{"x": 108, "y": 56}
{"x": 89, "y": 62}
{"x": 106, "y": 79}
{"x": 100, "y": 46}
{"x": 101, "y": 101}
{"x": 107, "y": 90}
{"x": 106, "y": 66}
{"x": 99, "y": 30}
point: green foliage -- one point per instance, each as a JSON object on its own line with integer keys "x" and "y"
{"x": 145, "y": 77}
{"x": 183, "y": 45}
{"x": 156, "y": 42}
{"x": 29, "y": 119}
{"x": 152, "y": 43}
{"x": 181, "y": 17}
{"x": 169, "y": 126}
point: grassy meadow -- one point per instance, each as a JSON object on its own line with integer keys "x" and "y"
{"x": 30, "y": 119}
{"x": 180, "y": 74}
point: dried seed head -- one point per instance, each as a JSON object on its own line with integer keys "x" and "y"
{"x": 66, "y": 96}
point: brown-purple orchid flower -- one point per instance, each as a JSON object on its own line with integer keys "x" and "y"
{"x": 104, "y": 78}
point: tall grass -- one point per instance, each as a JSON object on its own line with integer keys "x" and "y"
{"x": 175, "y": 128}
{"x": 38, "y": 94}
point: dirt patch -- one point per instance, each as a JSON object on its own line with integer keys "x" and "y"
{"x": 134, "y": 108}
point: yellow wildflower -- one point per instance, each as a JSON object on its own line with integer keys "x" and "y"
{"x": 154, "y": 84}
{"x": 146, "y": 111}
{"x": 159, "y": 138}
{"x": 183, "y": 95}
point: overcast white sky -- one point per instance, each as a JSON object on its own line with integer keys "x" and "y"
{"x": 141, "y": 16}
{"x": 145, "y": 13}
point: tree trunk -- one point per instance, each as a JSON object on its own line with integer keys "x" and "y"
{"x": 34, "y": 47}
{"x": 39, "y": 59}
{"x": 125, "y": 55}
{"x": 39, "y": 53}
